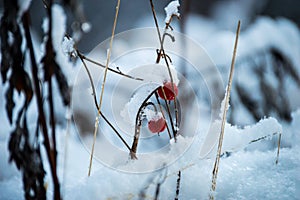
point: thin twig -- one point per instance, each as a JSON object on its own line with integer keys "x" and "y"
{"x": 52, "y": 120}
{"x": 115, "y": 130}
{"x": 263, "y": 137}
{"x": 103, "y": 85}
{"x": 161, "y": 53}
{"x": 227, "y": 97}
{"x": 110, "y": 69}
{"x": 91, "y": 80}
{"x": 278, "y": 143}
{"x": 278, "y": 148}
{"x": 138, "y": 124}
{"x": 162, "y": 179}
{"x": 169, "y": 113}
{"x": 178, "y": 185}
{"x": 163, "y": 114}
{"x": 96, "y": 104}
{"x": 157, "y": 191}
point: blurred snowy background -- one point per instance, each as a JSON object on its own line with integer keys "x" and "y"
{"x": 269, "y": 39}
{"x": 223, "y": 13}
{"x": 265, "y": 99}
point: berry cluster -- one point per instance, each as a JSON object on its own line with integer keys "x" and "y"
{"x": 167, "y": 92}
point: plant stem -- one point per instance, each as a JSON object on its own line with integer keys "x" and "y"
{"x": 42, "y": 118}
{"x": 110, "y": 69}
{"x": 161, "y": 110}
{"x": 169, "y": 113}
{"x": 137, "y": 125}
{"x": 278, "y": 148}
{"x": 52, "y": 120}
{"x": 178, "y": 185}
{"x": 103, "y": 85}
{"x": 95, "y": 101}
{"x": 227, "y": 97}
{"x": 161, "y": 52}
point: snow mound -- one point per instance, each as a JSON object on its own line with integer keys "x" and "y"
{"x": 235, "y": 138}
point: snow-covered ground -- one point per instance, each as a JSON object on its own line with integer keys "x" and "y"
{"x": 245, "y": 174}
{"x": 247, "y": 171}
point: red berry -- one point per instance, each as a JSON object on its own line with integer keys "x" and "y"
{"x": 157, "y": 125}
{"x": 168, "y": 91}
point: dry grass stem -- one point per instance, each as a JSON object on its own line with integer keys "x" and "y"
{"x": 227, "y": 97}
{"x": 103, "y": 84}
{"x": 278, "y": 148}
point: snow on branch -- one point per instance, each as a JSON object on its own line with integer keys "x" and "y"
{"x": 172, "y": 9}
{"x": 67, "y": 46}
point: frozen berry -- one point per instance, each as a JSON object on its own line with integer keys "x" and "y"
{"x": 167, "y": 87}
{"x": 157, "y": 125}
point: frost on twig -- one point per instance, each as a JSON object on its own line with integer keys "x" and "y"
{"x": 68, "y": 47}
{"x": 172, "y": 10}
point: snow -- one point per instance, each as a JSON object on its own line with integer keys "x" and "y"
{"x": 248, "y": 173}
{"x": 154, "y": 75}
{"x": 23, "y": 6}
{"x": 152, "y": 115}
{"x": 235, "y": 180}
{"x": 10, "y": 169}
{"x": 172, "y": 9}
{"x": 247, "y": 170}
{"x": 60, "y": 44}
{"x": 131, "y": 108}
{"x": 86, "y": 27}
{"x": 10, "y": 38}
{"x": 220, "y": 43}
{"x": 68, "y": 47}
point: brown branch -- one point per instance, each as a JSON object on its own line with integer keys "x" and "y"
{"x": 138, "y": 125}
{"x": 161, "y": 110}
{"x": 161, "y": 53}
{"x": 96, "y": 104}
{"x": 52, "y": 121}
{"x": 169, "y": 112}
{"x": 42, "y": 118}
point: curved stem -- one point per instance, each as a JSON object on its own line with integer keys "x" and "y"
{"x": 161, "y": 53}
{"x": 161, "y": 110}
{"x": 138, "y": 125}
{"x": 95, "y": 101}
